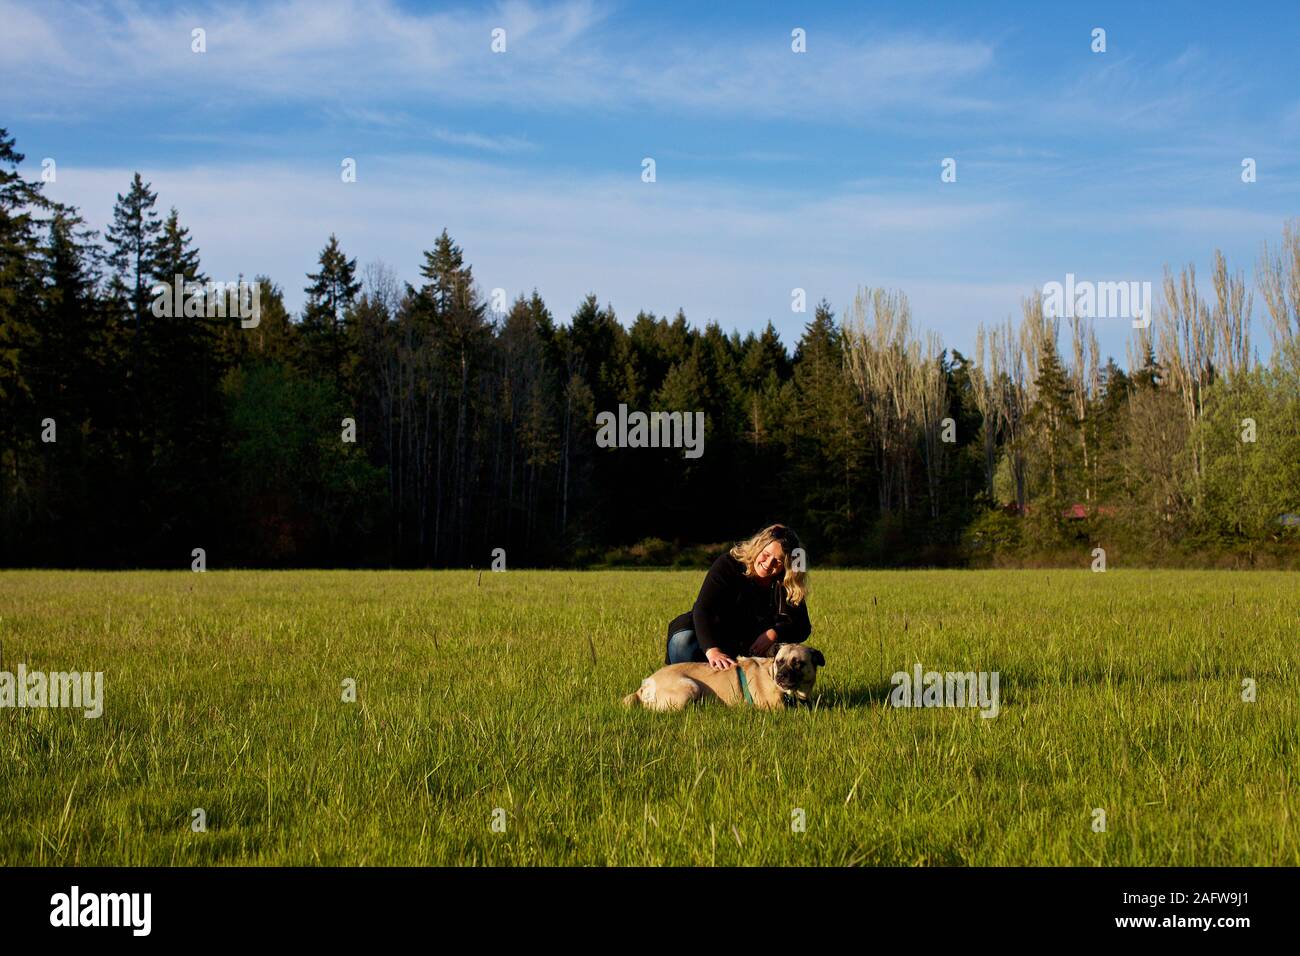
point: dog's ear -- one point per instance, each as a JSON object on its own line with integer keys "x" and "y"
{"x": 819, "y": 659}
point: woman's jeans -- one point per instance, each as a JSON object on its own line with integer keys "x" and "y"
{"x": 683, "y": 648}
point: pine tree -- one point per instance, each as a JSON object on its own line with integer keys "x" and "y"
{"x": 528, "y": 412}
{"x": 75, "y": 334}
{"x": 274, "y": 340}
{"x": 20, "y": 294}
{"x": 448, "y": 305}
{"x": 764, "y": 355}
{"x": 824, "y": 430}
{"x": 184, "y": 347}
{"x": 72, "y": 360}
{"x": 599, "y": 345}
{"x": 19, "y": 276}
{"x": 1052, "y": 419}
{"x": 332, "y": 292}
{"x": 133, "y": 241}
{"x": 132, "y": 255}
{"x": 450, "y": 282}
{"x": 175, "y": 254}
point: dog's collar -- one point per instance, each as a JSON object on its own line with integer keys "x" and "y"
{"x": 744, "y": 684}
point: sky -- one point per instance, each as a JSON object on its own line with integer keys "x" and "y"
{"x": 774, "y": 170}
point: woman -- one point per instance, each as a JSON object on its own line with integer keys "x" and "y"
{"x": 752, "y": 598}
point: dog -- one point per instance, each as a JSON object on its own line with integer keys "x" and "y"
{"x": 782, "y": 680}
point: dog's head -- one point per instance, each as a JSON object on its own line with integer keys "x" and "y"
{"x": 796, "y": 668}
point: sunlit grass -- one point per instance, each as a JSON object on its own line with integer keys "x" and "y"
{"x": 223, "y": 691}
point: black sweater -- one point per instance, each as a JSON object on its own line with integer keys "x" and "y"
{"x": 732, "y": 610}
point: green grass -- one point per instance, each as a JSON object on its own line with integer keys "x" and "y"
{"x": 1120, "y": 691}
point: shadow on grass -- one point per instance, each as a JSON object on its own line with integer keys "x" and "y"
{"x": 865, "y": 695}
{"x": 1013, "y": 682}
{"x": 877, "y": 694}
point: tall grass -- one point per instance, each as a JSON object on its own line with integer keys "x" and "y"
{"x": 498, "y": 701}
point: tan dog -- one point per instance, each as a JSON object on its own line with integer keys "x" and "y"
{"x": 775, "y": 682}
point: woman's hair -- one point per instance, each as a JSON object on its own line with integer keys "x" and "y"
{"x": 795, "y": 582}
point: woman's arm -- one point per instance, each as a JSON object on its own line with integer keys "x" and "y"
{"x": 714, "y": 594}
{"x": 793, "y": 626}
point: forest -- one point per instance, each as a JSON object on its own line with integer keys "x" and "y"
{"x": 399, "y": 425}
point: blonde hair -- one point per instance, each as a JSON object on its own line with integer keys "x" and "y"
{"x": 795, "y": 583}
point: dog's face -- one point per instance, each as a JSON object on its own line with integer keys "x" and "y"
{"x": 796, "y": 667}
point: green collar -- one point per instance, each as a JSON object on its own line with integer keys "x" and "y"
{"x": 744, "y": 685}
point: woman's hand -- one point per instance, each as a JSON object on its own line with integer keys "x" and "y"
{"x": 718, "y": 660}
{"x": 763, "y": 643}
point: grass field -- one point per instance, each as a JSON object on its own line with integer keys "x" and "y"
{"x": 499, "y": 700}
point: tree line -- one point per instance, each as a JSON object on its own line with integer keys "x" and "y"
{"x": 391, "y": 424}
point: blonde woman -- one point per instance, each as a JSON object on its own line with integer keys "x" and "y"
{"x": 752, "y": 599}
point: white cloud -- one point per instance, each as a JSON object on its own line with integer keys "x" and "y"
{"x": 720, "y": 252}
{"x": 403, "y": 123}
{"x": 355, "y": 53}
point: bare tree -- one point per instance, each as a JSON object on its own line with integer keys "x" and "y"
{"x": 1232, "y": 310}
{"x": 875, "y": 352}
{"x": 986, "y": 380}
{"x": 1084, "y": 386}
{"x": 1038, "y": 333}
{"x": 1278, "y": 277}
{"x": 1013, "y": 400}
{"x": 1188, "y": 350}
{"x": 1139, "y": 348}
{"x": 1022, "y": 352}
{"x": 929, "y": 391}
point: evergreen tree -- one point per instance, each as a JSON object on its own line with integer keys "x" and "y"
{"x": 75, "y": 334}
{"x": 74, "y": 362}
{"x": 19, "y": 274}
{"x": 274, "y": 340}
{"x": 448, "y": 305}
{"x": 184, "y": 347}
{"x": 1052, "y": 422}
{"x": 599, "y": 346}
{"x": 764, "y": 355}
{"x": 132, "y": 255}
{"x": 823, "y": 434}
{"x": 133, "y": 241}
{"x": 526, "y": 439}
{"x": 175, "y": 254}
{"x": 20, "y": 295}
{"x": 332, "y": 292}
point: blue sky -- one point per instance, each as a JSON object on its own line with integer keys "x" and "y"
{"x": 775, "y": 170}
